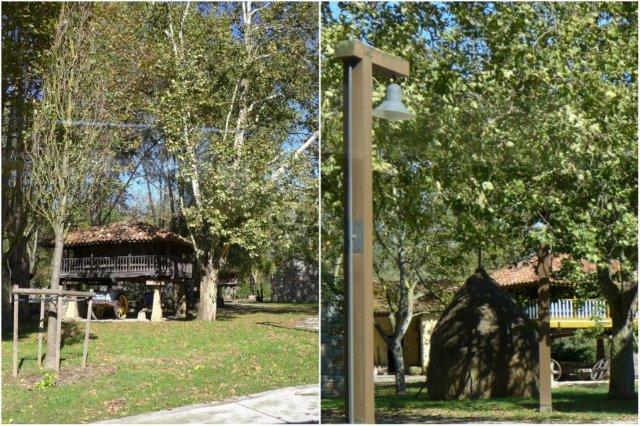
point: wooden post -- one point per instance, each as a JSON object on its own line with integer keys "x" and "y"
{"x": 360, "y": 62}
{"x": 15, "y": 332}
{"x": 59, "y": 315}
{"x": 600, "y": 353}
{"x": 40, "y": 330}
{"x": 358, "y": 241}
{"x": 85, "y": 349}
{"x": 544, "y": 335}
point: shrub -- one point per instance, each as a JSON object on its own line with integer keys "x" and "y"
{"x": 574, "y": 348}
{"x": 48, "y": 380}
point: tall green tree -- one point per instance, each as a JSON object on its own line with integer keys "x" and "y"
{"x": 421, "y": 244}
{"x": 569, "y": 80}
{"x": 66, "y": 161}
{"x": 27, "y": 29}
{"x": 531, "y": 113}
{"x": 242, "y": 69}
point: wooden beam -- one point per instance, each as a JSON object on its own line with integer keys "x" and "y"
{"x": 579, "y": 322}
{"x": 382, "y": 63}
{"x": 15, "y": 332}
{"x": 40, "y": 330}
{"x": 358, "y": 243}
{"x": 49, "y": 292}
{"x": 544, "y": 335}
{"x": 58, "y": 332}
{"x": 85, "y": 349}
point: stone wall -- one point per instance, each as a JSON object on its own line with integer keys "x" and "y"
{"x": 332, "y": 347}
{"x": 295, "y": 282}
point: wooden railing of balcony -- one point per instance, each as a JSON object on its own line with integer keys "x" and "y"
{"x": 571, "y": 308}
{"x": 153, "y": 264}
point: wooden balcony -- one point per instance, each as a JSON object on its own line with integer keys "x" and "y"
{"x": 126, "y": 267}
{"x": 571, "y": 313}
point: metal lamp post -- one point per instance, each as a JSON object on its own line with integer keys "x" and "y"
{"x": 361, "y": 62}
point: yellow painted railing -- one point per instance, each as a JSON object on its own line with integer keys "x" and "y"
{"x": 572, "y": 313}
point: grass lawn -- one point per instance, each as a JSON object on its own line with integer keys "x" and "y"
{"x": 570, "y": 404}
{"x": 138, "y": 367}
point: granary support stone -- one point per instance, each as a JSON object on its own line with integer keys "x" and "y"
{"x": 72, "y": 306}
{"x": 483, "y": 346}
{"x": 156, "y": 309}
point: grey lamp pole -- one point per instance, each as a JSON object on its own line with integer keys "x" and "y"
{"x": 361, "y": 62}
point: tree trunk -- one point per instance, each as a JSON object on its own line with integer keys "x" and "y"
{"x": 53, "y": 346}
{"x": 260, "y": 293}
{"x": 208, "y": 293}
{"x": 398, "y": 359}
{"x": 622, "y": 299}
{"x": 253, "y": 283}
{"x": 16, "y": 270}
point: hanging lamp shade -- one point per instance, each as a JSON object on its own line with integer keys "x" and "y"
{"x": 392, "y": 108}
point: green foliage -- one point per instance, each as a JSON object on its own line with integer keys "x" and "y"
{"x": 432, "y": 184}
{"x": 574, "y": 348}
{"x": 48, "y": 380}
{"x": 523, "y": 120}
{"x": 257, "y": 85}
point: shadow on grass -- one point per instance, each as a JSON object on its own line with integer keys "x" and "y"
{"x": 272, "y": 324}
{"x": 231, "y": 310}
{"x": 577, "y": 401}
{"x": 570, "y": 404}
{"x": 26, "y": 328}
{"x": 72, "y": 332}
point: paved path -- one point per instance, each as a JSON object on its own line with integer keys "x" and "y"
{"x": 389, "y": 379}
{"x": 289, "y": 405}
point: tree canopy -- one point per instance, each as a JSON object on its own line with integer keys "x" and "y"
{"x": 525, "y": 131}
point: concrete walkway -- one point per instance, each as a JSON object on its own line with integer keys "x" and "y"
{"x": 289, "y": 405}
{"x": 390, "y": 379}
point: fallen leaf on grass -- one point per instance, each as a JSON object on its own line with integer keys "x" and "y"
{"x": 114, "y": 406}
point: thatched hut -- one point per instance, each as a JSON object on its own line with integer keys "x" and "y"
{"x": 483, "y": 345}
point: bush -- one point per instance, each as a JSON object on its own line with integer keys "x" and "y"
{"x": 48, "y": 380}
{"x": 574, "y": 348}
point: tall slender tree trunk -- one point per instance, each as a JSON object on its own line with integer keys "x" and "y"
{"x": 623, "y": 304}
{"x": 400, "y": 321}
{"x": 398, "y": 359}
{"x": 16, "y": 270}
{"x": 253, "y": 282}
{"x": 53, "y": 346}
{"x": 208, "y": 293}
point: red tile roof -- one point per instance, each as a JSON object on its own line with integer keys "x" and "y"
{"x": 120, "y": 232}
{"x": 524, "y": 272}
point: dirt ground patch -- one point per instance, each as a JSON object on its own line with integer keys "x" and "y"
{"x": 67, "y": 376}
{"x": 307, "y": 323}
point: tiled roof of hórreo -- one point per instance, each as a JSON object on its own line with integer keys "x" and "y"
{"x": 524, "y": 272}
{"x": 120, "y": 232}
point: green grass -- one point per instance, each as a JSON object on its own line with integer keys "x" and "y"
{"x": 164, "y": 365}
{"x": 570, "y": 405}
